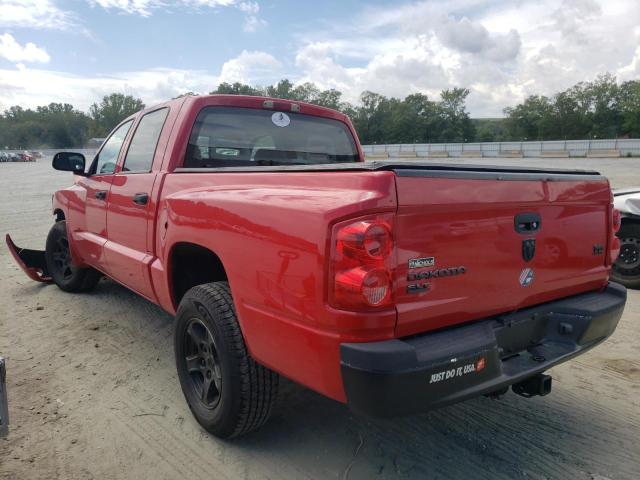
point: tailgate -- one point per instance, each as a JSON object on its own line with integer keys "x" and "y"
{"x": 476, "y": 243}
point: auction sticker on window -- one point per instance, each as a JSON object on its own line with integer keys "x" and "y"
{"x": 448, "y": 374}
{"x": 280, "y": 119}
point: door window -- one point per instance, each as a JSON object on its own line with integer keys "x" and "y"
{"x": 105, "y": 161}
{"x": 142, "y": 148}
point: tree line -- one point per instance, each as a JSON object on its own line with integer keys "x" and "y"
{"x": 60, "y": 125}
{"x": 603, "y": 108}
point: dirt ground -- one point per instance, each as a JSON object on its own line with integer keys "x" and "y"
{"x": 93, "y": 392}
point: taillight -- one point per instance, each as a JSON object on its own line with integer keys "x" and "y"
{"x": 361, "y": 266}
{"x": 615, "y": 220}
{"x": 614, "y": 242}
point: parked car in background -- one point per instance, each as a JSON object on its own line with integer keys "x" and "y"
{"x": 4, "y": 157}
{"x": 626, "y": 269}
{"x": 25, "y": 156}
{"x": 14, "y": 157}
{"x": 35, "y": 154}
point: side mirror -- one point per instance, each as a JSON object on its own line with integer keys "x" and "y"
{"x": 69, "y": 162}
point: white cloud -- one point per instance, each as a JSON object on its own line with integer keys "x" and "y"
{"x": 145, "y": 8}
{"x": 30, "y": 87}
{"x": 501, "y": 50}
{"x": 34, "y": 14}
{"x": 469, "y": 37}
{"x": 398, "y": 69}
{"x": 251, "y": 8}
{"x": 251, "y": 67}
{"x": 14, "y": 52}
{"x": 251, "y": 22}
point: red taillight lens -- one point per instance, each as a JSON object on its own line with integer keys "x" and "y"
{"x": 369, "y": 285}
{"x": 614, "y": 242}
{"x": 369, "y": 238}
{"x": 615, "y": 220}
{"x": 361, "y": 263}
{"x": 614, "y": 251}
{"x": 376, "y": 287}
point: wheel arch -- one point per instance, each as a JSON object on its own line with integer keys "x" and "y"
{"x": 59, "y": 214}
{"x": 191, "y": 264}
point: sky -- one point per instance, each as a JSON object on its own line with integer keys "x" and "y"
{"x": 76, "y": 51}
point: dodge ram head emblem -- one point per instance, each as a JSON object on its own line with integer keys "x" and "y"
{"x": 526, "y": 277}
{"x": 528, "y": 249}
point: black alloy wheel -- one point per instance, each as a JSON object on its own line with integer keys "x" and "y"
{"x": 62, "y": 258}
{"x": 202, "y": 363}
{"x": 65, "y": 274}
{"x": 227, "y": 391}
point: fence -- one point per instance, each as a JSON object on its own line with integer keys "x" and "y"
{"x": 572, "y": 148}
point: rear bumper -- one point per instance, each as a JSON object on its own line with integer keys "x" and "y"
{"x": 404, "y": 376}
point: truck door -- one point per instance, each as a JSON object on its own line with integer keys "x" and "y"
{"x": 131, "y": 207}
{"x": 89, "y": 220}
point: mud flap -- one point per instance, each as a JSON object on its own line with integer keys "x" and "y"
{"x": 31, "y": 261}
{"x": 4, "y": 406}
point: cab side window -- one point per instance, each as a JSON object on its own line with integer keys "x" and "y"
{"x": 143, "y": 145}
{"x": 105, "y": 161}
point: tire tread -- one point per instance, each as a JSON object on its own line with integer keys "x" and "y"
{"x": 258, "y": 384}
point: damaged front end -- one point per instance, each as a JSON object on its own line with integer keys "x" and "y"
{"x": 32, "y": 262}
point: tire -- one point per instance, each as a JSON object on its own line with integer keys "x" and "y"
{"x": 64, "y": 273}
{"x": 626, "y": 269}
{"x": 228, "y": 393}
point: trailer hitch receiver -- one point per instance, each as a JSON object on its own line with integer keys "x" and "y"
{"x": 537, "y": 385}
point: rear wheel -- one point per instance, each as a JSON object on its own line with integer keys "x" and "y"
{"x": 227, "y": 391}
{"x": 65, "y": 274}
{"x": 626, "y": 269}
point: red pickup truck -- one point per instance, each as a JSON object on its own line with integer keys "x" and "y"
{"x": 392, "y": 287}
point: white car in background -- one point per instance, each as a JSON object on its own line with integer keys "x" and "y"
{"x": 626, "y": 269}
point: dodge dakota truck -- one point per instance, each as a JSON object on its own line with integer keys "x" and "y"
{"x": 392, "y": 287}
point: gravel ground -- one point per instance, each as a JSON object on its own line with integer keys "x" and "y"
{"x": 93, "y": 391}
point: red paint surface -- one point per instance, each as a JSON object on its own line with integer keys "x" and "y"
{"x": 272, "y": 232}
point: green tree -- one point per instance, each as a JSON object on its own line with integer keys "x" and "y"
{"x": 283, "y": 89}
{"x": 603, "y": 95}
{"x": 237, "y": 88}
{"x": 112, "y": 110}
{"x": 330, "y": 98}
{"x": 629, "y": 103}
{"x": 457, "y": 126}
{"x": 55, "y": 125}
{"x": 531, "y": 120}
{"x": 371, "y": 117}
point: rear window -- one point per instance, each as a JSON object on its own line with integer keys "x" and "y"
{"x": 231, "y": 136}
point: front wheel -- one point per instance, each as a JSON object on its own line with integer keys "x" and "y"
{"x": 626, "y": 269}
{"x": 227, "y": 391}
{"x": 65, "y": 274}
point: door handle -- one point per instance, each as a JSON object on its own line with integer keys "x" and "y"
{"x": 101, "y": 194}
{"x": 141, "y": 198}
